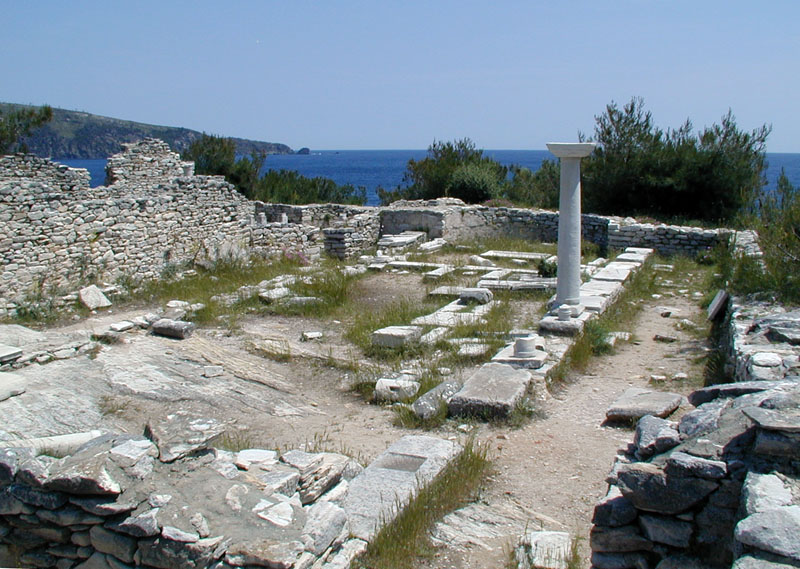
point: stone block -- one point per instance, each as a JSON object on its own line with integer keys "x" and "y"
{"x": 429, "y": 403}
{"x": 93, "y": 298}
{"x": 667, "y": 530}
{"x": 324, "y": 523}
{"x": 718, "y": 305}
{"x": 649, "y": 488}
{"x": 635, "y": 403}
{"x": 396, "y": 336}
{"x": 391, "y": 389}
{"x": 493, "y": 390}
{"x": 9, "y": 353}
{"x": 173, "y": 328}
{"x": 614, "y": 509}
{"x": 618, "y": 539}
{"x": 390, "y": 481}
{"x": 479, "y": 295}
{"x": 544, "y": 550}
{"x": 683, "y": 464}
{"x": 511, "y": 355}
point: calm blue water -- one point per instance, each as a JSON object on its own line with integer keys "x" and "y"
{"x": 373, "y": 168}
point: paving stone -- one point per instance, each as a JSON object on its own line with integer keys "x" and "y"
{"x": 9, "y": 353}
{"x": 392, "y": 479}
{"x": 544, "y": 550}
{"x": 11, "y": 385}
{"x": 479, "y": 295}
{"x": 636, "y": 403}
{"x": 493, "y": 390}
{"x": 436, "y": 334}
{"x": 396, "y": 336}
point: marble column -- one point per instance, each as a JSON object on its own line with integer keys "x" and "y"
{"x": 569, "y": 222}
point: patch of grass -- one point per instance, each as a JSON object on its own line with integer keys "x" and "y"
{"x": 399, "y": 544}
{"x": 398, "y": 313}
{"x": 111, "y": 405}
{"x": 234, "y": 440}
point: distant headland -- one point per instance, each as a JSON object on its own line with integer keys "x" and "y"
{"x": 79, "y": 135}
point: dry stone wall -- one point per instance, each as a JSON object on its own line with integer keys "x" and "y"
{"x": 721, "y": 485}
{"x": 57, "y": 232}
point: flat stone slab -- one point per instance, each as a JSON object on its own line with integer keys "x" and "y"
{"x": 635, "y": 403}
{"x": 637, "y": 258}
{"x": 9, "y": 353}
{"x": 774, "y": 531}
{"x": 404, "y": 239}
{"x": 428, "y": 404}
{"x": 396, "y": 336}
{"x": 544, "y": 550}
{"x": 601, "y": 288}
{"x": 479, "y": 295}
{"x": 615, "y": 272}
{"x": 786, "y": 420}
{"x": 528, "y": 256}
{"x": 11, "y": 385}
{"x": 446, "y": 291}
{"x": 375, "y": 496}
{"x": 570, "y": 327}
{"x": 447, "y": 319}
{"x": 493, "y": 390}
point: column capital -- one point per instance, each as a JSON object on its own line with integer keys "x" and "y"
{"x": 571, "y": 149}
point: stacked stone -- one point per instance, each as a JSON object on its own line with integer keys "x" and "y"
{"x": 124, "y": 501}
{"x": 762, "y": 342}
{"x": 145, "y": 162}
{"x": 33, "y": 168}
{"x": 686, "y": 501}
{"x": 665, "y": 239}
{"x": 271, "y": 239}
{"x": 361, "y": 233}
{"x": 320, "y": 215}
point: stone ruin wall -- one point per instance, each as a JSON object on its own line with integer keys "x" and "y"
{"x": 720, "y": 484}
{"x": 57, "y": 232}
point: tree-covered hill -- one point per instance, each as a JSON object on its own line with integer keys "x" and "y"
{"x": 74, "y": 134}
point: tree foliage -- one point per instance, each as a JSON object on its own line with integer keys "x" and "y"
{"x": 215, "y": 155}
{"x": 778, "y": 226}
{"x": 18, "y": 123}
{"x": 640, "y": 169}
{"x": 460, "y": 170}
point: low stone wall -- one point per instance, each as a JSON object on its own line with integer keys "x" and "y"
{"x": 722, "y": 483}
{"x": 34, "y": 169}
{"x": 361, "y": 232}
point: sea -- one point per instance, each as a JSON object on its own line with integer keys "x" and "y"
{"x": 385, "y": 168}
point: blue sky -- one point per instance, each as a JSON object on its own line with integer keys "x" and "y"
{"x": 392, "y": 74}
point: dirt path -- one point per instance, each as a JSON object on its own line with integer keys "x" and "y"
{"x": 550, "y": 473}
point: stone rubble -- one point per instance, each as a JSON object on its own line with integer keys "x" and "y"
{"x": 123, "y": 500}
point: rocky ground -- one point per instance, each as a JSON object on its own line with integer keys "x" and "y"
{"x": 548, "y": 473}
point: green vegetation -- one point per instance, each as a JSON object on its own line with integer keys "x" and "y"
{"x": 20, "y": 122}
{"x": 639, "y": 169}
{"x": 75, "y": 134}
{"x": 215, "y": 155}
{"x": 399, "y": 544}
{"x": 460, "y": 170}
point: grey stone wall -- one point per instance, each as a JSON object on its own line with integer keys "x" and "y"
{"x": 56, "y": 232}
{"x": 34, "y": 169}
{"x": 145, "y": 162}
